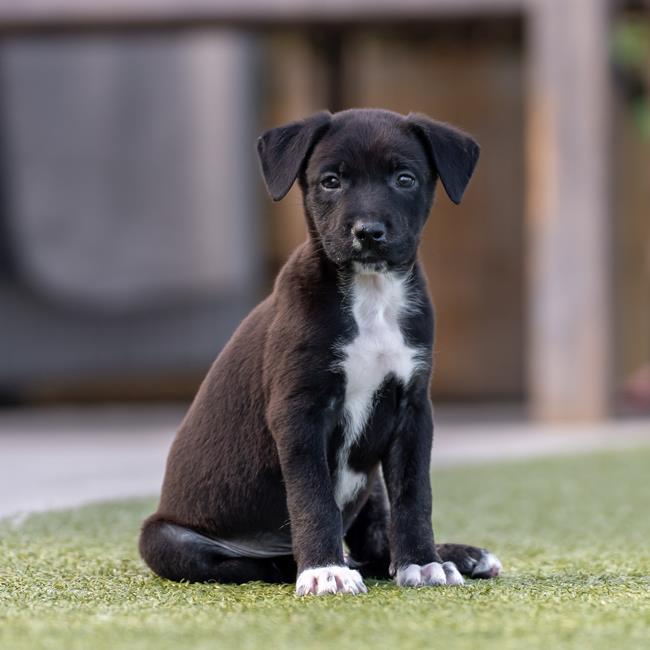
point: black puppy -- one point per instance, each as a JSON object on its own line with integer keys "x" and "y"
{"x": 319, "y": 404}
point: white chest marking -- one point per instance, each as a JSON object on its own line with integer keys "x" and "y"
{"x": 378, "y": 350}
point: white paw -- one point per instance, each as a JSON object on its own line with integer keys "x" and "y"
{"x": 329, "y": 580}
{"x": 488, "y": 566}
{"x": 429, "y": 575}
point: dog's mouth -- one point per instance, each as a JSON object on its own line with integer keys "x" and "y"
{"x": 371, "y": 256}
{"x": 369, "y": 262}
{"x": 372, "y": 261}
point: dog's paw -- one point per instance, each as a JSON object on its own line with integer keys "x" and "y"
{"x": 472, "y": 561}
{"x": 429, "y": 575}
{"x": 487, "y": 566}
{"x": 329, "y": 580}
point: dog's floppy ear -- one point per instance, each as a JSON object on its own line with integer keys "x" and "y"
{"x": 453, "y": 153}
{"x": 283, "y": 150}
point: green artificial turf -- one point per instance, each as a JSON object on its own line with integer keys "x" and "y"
{"x": 573, "y": 535}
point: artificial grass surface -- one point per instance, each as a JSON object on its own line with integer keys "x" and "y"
{"x": 573, "y": 535}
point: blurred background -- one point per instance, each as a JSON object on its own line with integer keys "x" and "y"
{"x": 135, "y": 232}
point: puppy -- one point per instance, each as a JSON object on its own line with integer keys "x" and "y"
{"x": 313, "y": 428}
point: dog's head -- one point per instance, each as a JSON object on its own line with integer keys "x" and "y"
{"x": 368, "y": 178}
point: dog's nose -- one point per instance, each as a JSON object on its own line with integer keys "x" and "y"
{"x": 369, "y": 233}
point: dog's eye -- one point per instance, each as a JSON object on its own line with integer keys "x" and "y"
{"x": 330, "y": 182}
{"x": 405, "y": 180}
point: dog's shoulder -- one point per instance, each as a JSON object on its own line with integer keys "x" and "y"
{"x": 309, "y": 317}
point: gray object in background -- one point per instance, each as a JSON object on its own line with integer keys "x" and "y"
{"x": 128, "y": 202}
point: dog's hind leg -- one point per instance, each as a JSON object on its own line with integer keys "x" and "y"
{"x": 179, "y": 553}
{"x": 470, "y": 560}
{"x": 367, "y": 541}
{"x": 367, "y": 536}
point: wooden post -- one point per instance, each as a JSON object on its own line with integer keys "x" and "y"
{"x": 568, "y": 229}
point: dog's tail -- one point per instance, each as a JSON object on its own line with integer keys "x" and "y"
{"x": 179, "y": 553}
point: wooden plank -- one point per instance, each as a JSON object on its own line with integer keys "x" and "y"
{"x": 570, "y": 326}
{"x": 35, "y": 14}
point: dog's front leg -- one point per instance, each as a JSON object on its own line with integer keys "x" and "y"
{"x": 414, "y": 559}
{"x": 316, "y": 525}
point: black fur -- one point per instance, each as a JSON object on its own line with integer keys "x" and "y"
{"x": 255, "y": 455}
